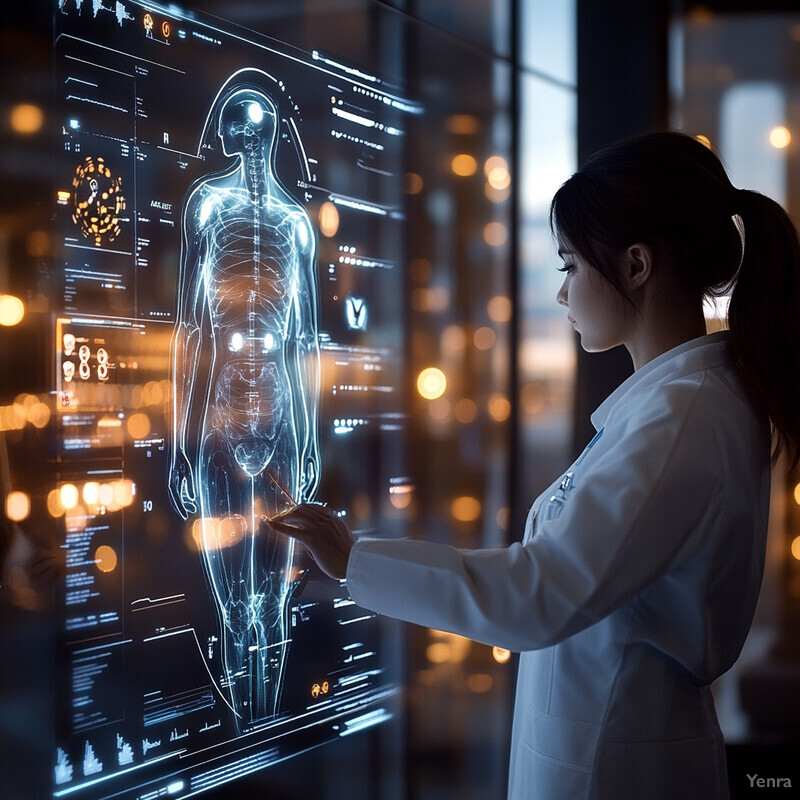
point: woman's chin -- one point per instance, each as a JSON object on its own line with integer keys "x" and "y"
{"x": 590, "y": 346}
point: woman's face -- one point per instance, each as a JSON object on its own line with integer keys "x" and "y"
{"x": 596, "y": 309}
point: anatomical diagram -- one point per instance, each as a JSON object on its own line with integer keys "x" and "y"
{"x": 245, "y": 373}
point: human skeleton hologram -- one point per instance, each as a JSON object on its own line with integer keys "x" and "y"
{"x": 245, "y": 377}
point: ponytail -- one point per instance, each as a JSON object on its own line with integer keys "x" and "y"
{"x": 764, "y": 316}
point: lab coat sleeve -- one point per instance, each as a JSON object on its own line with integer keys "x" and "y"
{"x": 637, "y": 510}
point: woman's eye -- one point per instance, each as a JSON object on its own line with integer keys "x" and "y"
{"x": 568, "y": 268}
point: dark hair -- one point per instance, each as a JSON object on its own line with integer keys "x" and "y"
{"x": 670, "y": 191}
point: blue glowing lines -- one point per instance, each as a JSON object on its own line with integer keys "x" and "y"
{"x": 103, "y": 778}
{"x": 253, "y": 75}
{"x": 364, "y": 721}
{"x": 245, "y": 350}
{"x": 158, "y": 709}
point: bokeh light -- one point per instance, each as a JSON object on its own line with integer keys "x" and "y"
{"x": 453, "y": 340}
{"x": 138, "y": 425}
{"x": 438, "y": 653}
{"x": 480, "y": 682}
{"x": 424, "y": 298}
{"x": 124, "y": 490}
{"x": 400, "y": 500}
{"x": 463, "y": 124}
{"x": 464, "y": 165}
{"x": 69, "y": 496}
{"x": 466, "y": 508}
{"x": 54, "y": 506}
{"x": 496, "y": 195}
{"x": 105, "y": 558}
{"x": 780, "y": 137}
{"x": 328, "y": 219}
{"x": 18, "y": 506}
{"x": 91, "y": 493}
{"x": 431, "y": 383}
{"x": 38, "y": 414}
{"x": 106, "y": 494}
{"x": 12, "y": 310}
{"x": 447, "y": 647}
{"x": 412, "y": 183}
{"x": 495, "y": 234}
{"x": 212, "y": 534}
{"x": 484, "y": 338}
{"x": 26, "y": 118}
{"x": 440, "y": 409}
{"x": 497, "y": 173}
{"x": 499, "y": 308}
{"x": 465, "y": 410}
{"x": 76, "y": 518}
{"x": 499, "y": 407}
{"x": 796, "y": 547}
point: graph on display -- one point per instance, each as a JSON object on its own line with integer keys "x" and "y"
{"x": 228, "y": 343}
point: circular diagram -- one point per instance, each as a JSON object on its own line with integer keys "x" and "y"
{"x": 97, "y": 201}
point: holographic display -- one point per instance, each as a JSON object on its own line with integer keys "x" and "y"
{"x": 228, "y": 341}
{"x": 247, "y": 293}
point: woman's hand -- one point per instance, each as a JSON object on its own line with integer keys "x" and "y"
{"x": 325, "y": 536}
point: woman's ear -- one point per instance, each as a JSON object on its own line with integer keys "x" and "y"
{"x": 637, "y": 266}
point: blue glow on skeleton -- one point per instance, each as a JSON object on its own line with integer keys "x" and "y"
{"x": 247, "y": 276}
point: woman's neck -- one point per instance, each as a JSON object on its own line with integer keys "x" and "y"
{"x": 662, "y": 325}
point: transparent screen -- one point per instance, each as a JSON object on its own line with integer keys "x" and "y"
{"x": 227, "y": 344}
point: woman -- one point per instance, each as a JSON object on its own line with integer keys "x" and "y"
{"x": 637, "y": 578}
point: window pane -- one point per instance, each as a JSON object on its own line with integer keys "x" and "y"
{"x": 546, "y": 358}
{"x": 547, "y": 38}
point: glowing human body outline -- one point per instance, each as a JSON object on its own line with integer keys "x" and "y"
{"x": 247, "y": 297}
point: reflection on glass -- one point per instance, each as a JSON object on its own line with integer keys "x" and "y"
{"x": 245, "y": 350}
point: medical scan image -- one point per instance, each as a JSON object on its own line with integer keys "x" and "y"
{"x": 245, "y": 350}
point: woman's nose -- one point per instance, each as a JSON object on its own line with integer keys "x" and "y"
{"x": 561, "y": 297}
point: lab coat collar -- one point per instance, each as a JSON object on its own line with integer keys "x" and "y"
{"x": 704, "y": 352}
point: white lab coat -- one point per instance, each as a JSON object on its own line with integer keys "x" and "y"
{"x": 633, "y": 589}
